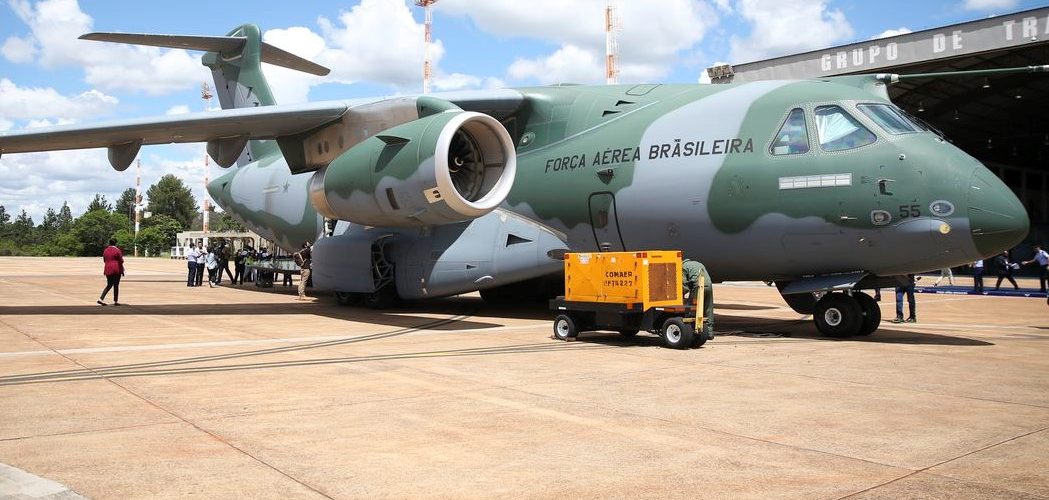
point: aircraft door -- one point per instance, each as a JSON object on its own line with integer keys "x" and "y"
{"x": 605, "y": 221}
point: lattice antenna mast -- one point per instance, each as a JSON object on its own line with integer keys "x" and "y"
{"x": 428, "y": 40}
{"x": 138, "y": 201}
{"x": 206, "y": 95}
{"x": 612, "y": 24}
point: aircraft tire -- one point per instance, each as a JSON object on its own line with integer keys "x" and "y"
{"x": 838, "y": 315}
{"x": 565, "y": 327}
{"x": 871, "y": 313}
{"x": 677, "y": 334}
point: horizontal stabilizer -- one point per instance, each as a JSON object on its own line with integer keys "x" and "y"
{"x": 228, "y": 46}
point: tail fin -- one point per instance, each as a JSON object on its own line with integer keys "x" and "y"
{"x": 235, "y": 63}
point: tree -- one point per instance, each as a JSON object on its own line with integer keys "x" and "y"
{"x": 169, "y": 196}
{"x": 4, "y": 217}
{"x": 50, "y": 223}
{"x": 22, "y": 228}
{"x": 99, "y": 203}
{"x": 94, "y": 229}
{"x": 65, "y": 218}
{"x": 227, "y": 223}
{"x": 163, "y": 228}
{"x": 126, "y": 204}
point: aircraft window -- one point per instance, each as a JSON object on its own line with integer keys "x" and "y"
{"x": 839, "y": 131}
{"x": 888, "y": 118}
{"x": 793, "y": 136}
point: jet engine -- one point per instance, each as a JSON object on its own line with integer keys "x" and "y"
{"x": 444, "y": 168}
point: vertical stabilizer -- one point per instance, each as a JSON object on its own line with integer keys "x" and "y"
{"x": 240, "y": 83}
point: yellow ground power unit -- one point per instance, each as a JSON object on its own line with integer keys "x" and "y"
{"x": 648, "y": 279}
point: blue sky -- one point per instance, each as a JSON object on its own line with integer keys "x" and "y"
{"x": 374, "y": 48}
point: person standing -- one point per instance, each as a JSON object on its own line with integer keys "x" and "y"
{"x": 224, "y": 255}
{"x": 907, "y": 290}
{"x": 212, "y": 263}
{"x": 191, "y": 262}
{"x": 201, "y": 257}
{"x": 113, "y": 268}
{"x": 1005, "y": 270}
{"x": 239, "y": 265}
{"x": 978, "y": 276}
{"x": 304, "y": 258}
{"x": 1042, "y": 259}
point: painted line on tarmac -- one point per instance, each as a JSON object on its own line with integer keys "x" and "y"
{"x": 231, "y": 343}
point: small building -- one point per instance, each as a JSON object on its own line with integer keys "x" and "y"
{"x": 236, "y": 239}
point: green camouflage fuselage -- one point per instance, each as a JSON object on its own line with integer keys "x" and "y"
{"x": 691, "y": 167}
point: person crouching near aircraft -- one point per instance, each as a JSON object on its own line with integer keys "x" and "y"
{"x": 690, "y": 273}
{"x": 304, "y": 259}
{"x": 113, "y": 268}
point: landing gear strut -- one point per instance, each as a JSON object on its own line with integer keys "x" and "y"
{"x": 843, "y": 315}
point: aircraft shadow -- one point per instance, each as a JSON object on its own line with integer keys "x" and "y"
{"x": 393, "y": 318}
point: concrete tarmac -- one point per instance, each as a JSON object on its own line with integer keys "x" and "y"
{"x": 236, "y": 392}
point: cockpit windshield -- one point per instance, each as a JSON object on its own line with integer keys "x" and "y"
{"x": 890, "y": 118}
{"x": 839, "y": 131}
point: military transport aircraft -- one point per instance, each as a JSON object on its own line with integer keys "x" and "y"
{"x": 822, "y": 186}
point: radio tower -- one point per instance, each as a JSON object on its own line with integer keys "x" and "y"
{"x": 205, "y": 94}
{"x": 428, "y": 38}
{"x": 612, "y": 25}
{"x": 138, "y": 201}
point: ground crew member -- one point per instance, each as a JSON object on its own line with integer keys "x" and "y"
{"x": 304, "y": 259}
{"x": 1042, "y": 259}
{"x": 690, "y": 273}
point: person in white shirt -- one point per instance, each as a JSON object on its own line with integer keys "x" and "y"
{"x": 211, "y": 261}
{"x": 191, "y": 261}
{"x": 200, "y": 264}
{"x": 1042, "y": 258}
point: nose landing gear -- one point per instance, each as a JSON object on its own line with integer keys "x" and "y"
{"x": 842, "y": 315}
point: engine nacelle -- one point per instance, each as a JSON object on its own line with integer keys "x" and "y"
{"x": 444, "y": 168}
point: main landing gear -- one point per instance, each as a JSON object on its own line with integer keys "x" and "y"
{"x": 841, "y": 314}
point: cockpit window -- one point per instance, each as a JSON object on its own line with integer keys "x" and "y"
{"x": 889, "y": 118}
{"x": 793, "y": 136}
{"x": 839, "y": 131}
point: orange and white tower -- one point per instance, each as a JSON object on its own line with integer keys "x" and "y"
{"x": 428, "y": 39}
{"x": 612, "y": 25}
{"x": 206, "y": 95}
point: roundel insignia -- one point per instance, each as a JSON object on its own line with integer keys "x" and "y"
{"x": 880, "y": 217}
{"x": 942, "y": 208}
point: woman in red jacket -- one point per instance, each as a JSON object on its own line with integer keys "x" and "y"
{"x": 114, "y": 269}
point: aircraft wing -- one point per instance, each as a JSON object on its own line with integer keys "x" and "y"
{"x": 266, "y": 122}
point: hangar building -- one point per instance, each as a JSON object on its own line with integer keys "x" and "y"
{"x": 1002, "y": 121}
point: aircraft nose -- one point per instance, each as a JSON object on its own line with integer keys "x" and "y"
{"x": 997, "y": 218}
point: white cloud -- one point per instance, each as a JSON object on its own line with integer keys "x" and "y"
{"x": 781, "y": 27}
{"x": 650, "y": 42}
{"x": 6, "y": 124}
{"x": 570, "y": 64}
{"x": 290, "y": 86}
{"x": 179, "y": 109}
{"x": 894, "y": 32}
{"x": 19, "y": 103}
{"x": 18, "y": 50}
{"x": 989, "y": 4}
{"x": 54, "y": 26}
